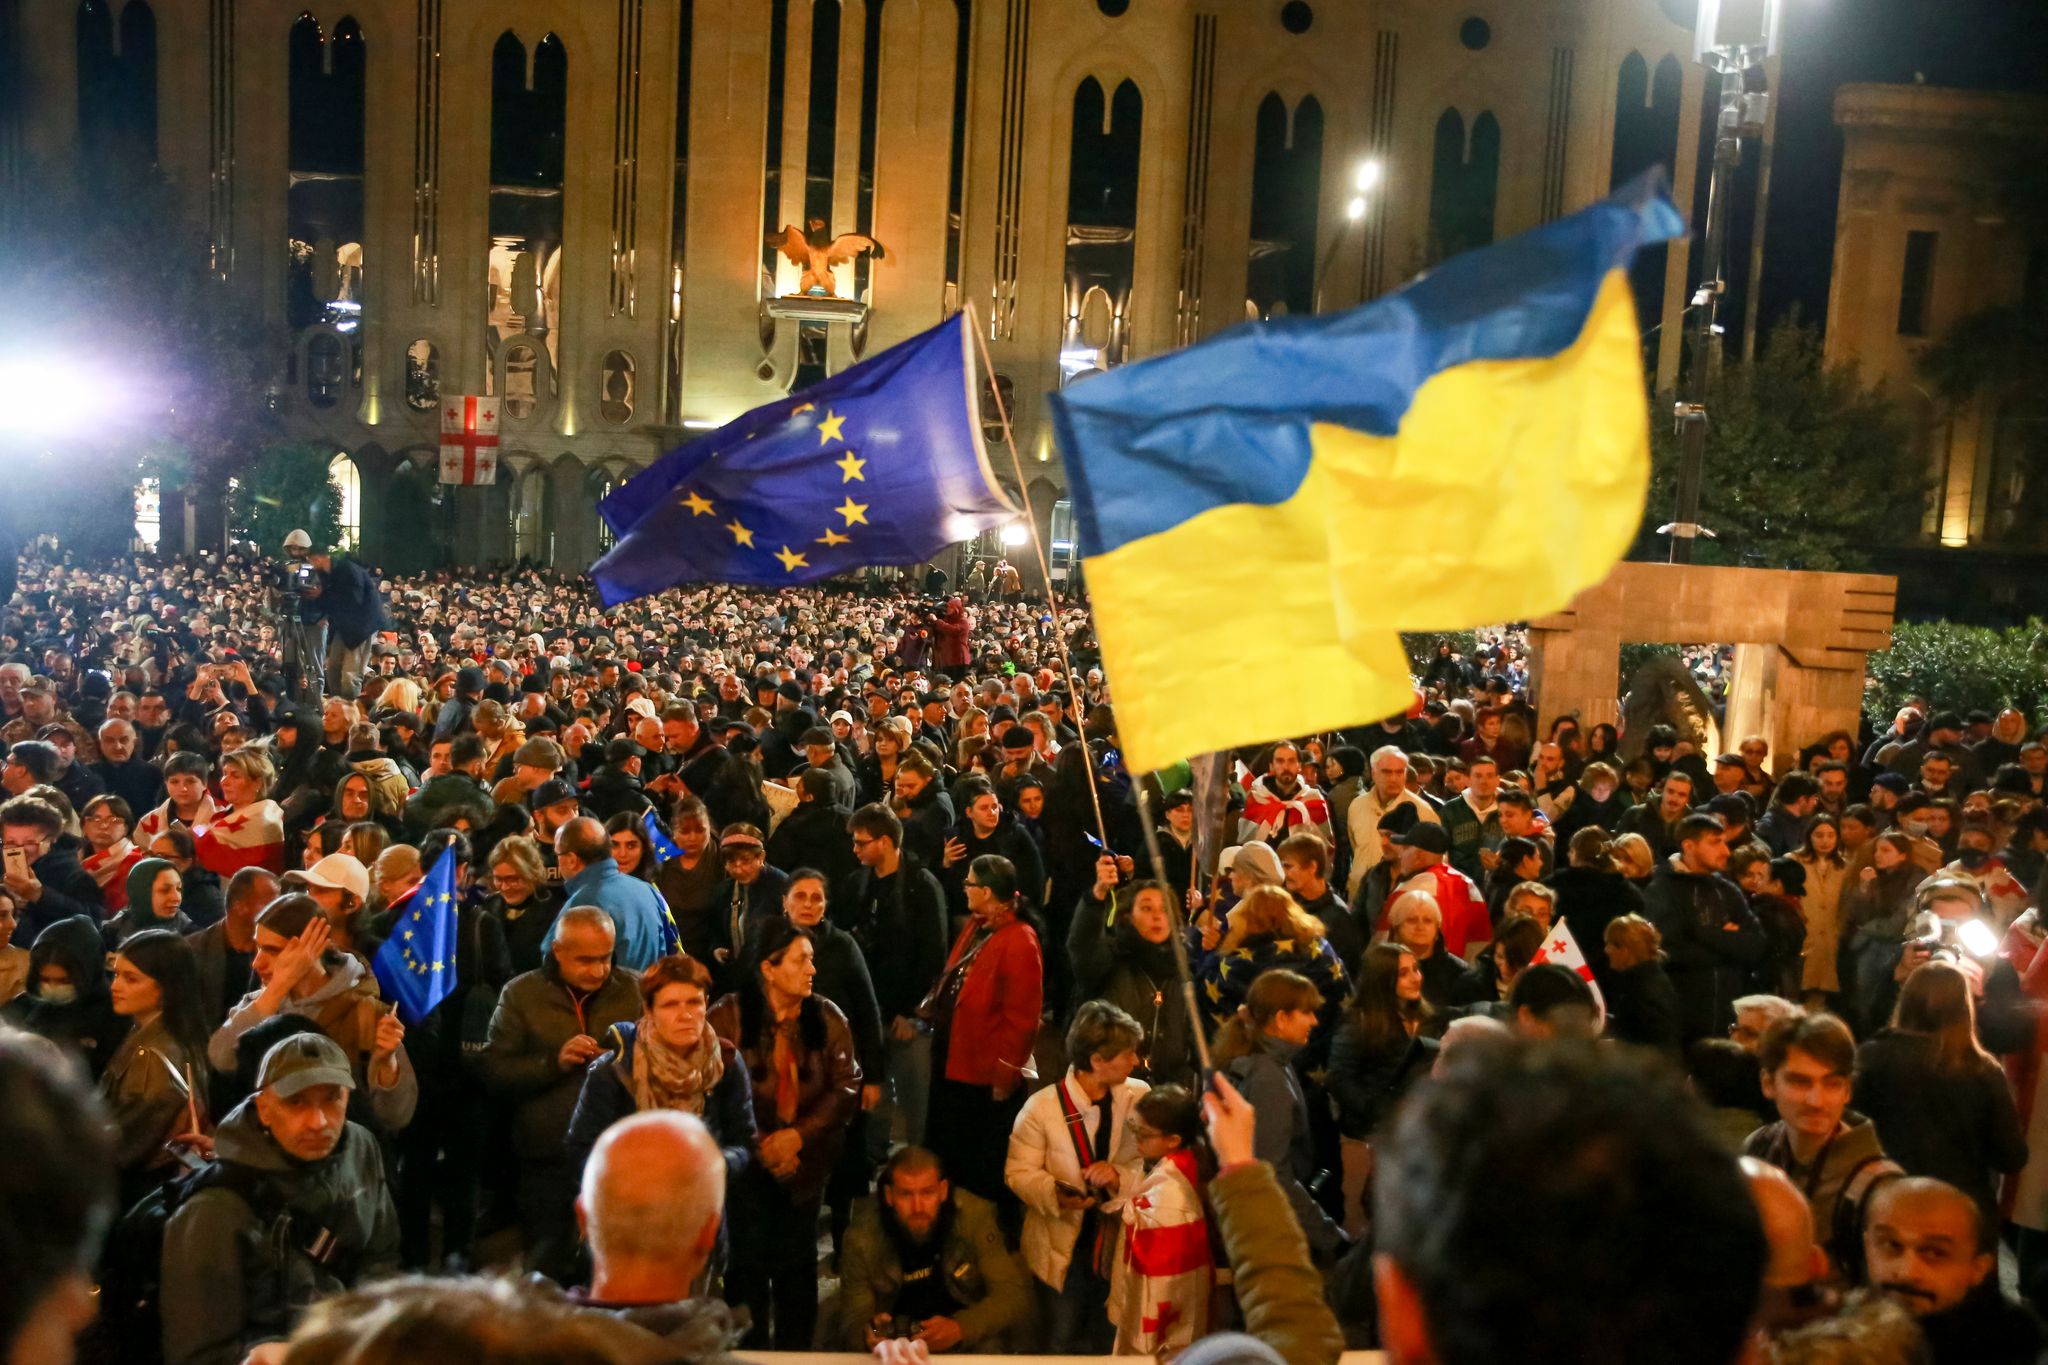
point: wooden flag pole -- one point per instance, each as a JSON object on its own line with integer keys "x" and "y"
{"x": 1059, "y": 632}
{"x": 1197, "y": 1029}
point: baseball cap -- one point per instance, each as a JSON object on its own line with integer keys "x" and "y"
{"x": 336, "y": 872}
{"x": 552, "y": 792}
{"x": 303, "y": 1061}
{"x": 1428, "y": 837}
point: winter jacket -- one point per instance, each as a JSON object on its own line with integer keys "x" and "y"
{"x": 210, "y": 946}
{"x": 607, "y": 1097}
{"x": 353, "y": 608}
{"x": 1368, "y": 1080}
{"x": 68, "y": 889}
{"x": 994, "y": 1022}
{"x": 1113, "y": 963}
{"x": 145, "y": 1104}
{"x": 899, "y": 921}
{"x": 843, "y": 979}
{"x": 1711, "y": 943}
{"x": 536, "y": 1015}
{"x": 138, "y": 783}
{"x": 1837, "y": 1185}
{"x": 1008, "y": 840}
{"x": 346, "y": 1007}
{"x": 441, "y": 795}
{"x": 86, "y": 1025}
{"x": 828, "y": 1085}
{"x": 1959, "y": 1126}
{"x": 1592, "y": 898}
{"x": 1042, "y": 1157}
{"x": 992, "y": 1298}
{"x": 1642, "y": 1008}
{"x": 636, "y": 909}
{"x": 1265, "y": 1077}
{"x": 232, "y": 1279}
{"x": 813, "y": 835}
{"x": 612, "y": 790}
{"x": 926, "y": 824}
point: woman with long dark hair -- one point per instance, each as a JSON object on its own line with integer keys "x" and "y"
{"x": 799, "y": 1054}
{"x": 629, "y": 845}
{"x": 1821, "y": 906}
{"x": 1380, "y": 1050}
{"x": 155, "y": 1082}
{"x": 1939, "y": 1100}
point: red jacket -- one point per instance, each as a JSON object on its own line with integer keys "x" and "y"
{"x": 949, "y": 635}
{"x": 995, "y": 1019}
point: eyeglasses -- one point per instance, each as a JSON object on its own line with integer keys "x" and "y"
{"x": 973, "y": 885}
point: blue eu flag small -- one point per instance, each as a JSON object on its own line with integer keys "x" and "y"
{"x": 416, "y": 965}
{"x": 661, "y": 848}
{"x": 880, "y": 464}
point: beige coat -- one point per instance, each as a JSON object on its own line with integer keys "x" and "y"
{"x": 1822, "y": 904}
{"x": 1042, "y": 1155}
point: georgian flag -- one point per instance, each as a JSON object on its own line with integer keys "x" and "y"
{"x": 469, "y": 440}
{"x": 250, "y": 837}
{"x": 1560, "y": 947}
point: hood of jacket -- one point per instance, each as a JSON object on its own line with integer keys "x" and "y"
{"x": 75, "y": 945}
{"x": 345, "y": 972}
{"x": 141, "y": 883}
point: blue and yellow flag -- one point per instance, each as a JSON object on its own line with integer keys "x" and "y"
{"x": 416, "y": 965}
{"x": 880, "y": 464}
{"x": 1261, "y": 513}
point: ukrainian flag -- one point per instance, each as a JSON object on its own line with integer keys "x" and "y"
{"x": 1261, "y": 514}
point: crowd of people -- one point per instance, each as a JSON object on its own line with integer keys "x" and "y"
{"x": 818, "y": 981}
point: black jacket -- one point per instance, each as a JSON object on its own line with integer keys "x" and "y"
{"x": 1113, "y": 963}
{"x": 138, "y": 783}
{"x": 1711, "y": 941}
{"x": 843, "y": 979}
{"x": 1642, "y": 1008}
{"x": 1985, "y": 1329}
{"x": 813, "y": 835}
{"x": 925, "y": 826}
{"x": 607, "y": 1097}
{"x": 900, "y": 924}
{"x": 1007, "y": 841}
{"x": 1958, "y": 1126}
{"x": 1590, "y": 899}
{"x": 85, "y": 1026}
{"x": 1367, "y": 1081}
{"x": 68, "y": 889}
{"x": 612, "y": 789}
{"x": 351, "y": 604}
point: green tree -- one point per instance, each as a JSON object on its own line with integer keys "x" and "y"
{"x": 287, "y": 488}
{"x": 1962, "y": 668}
{"x": 1806, "y": 468}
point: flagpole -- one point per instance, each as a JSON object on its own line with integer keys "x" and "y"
{"x": 1059, "y": 633}
{"x": 1197, "y": 1029}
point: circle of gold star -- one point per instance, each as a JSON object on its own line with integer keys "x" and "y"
{"x": 853, "y": 512}
{"x": 740, "y": 534}
{"x": 830, "y": 429}
{"x": 832, "y": 537}
{"x": 792, "y": 561}
{"x": 699, "y": 505}
{"x": 850, "y": 468}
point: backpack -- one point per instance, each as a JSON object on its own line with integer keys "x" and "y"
{"x": 129, "y": 1329}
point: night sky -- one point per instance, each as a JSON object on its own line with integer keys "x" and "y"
{"x": 1968, "y": 44}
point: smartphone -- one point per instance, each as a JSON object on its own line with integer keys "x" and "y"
{"x": 17, "y": 862}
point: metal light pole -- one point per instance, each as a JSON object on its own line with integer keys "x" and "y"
{"x": 1365, "y": 180}
{"x": 1730, "y": 48}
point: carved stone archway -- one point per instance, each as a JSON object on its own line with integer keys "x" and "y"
{"x": 1801, "y": 640}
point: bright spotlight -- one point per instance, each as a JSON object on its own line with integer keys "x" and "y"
{"x": 1368, "y": 175}
{"x": 45, "y": 398}
{"x": 1355, "y": 210}
{"x": 1015, "y": 533}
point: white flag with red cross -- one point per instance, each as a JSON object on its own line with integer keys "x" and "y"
{"x": 1560, "y": 947}
{"x": 469, "y": 440}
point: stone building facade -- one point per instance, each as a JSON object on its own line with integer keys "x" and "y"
{"x": 562, "y": 204}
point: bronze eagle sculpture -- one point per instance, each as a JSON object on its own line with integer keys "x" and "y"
{"x": 817, "y": 254}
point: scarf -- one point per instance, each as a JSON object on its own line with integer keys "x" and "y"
{"x": 788, "y": 1084}
{"x": 666, "y": 1077}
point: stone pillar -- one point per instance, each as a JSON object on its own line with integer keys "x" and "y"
{"x": 1752, "y": 693}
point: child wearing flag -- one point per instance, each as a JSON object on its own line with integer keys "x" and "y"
{"x": 1160, "y": 1285}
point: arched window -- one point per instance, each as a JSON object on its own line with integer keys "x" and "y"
{"x": 597, "y": 485}
{"x": 348, "y": 484}
{"x": 1462, "y": 185}
{"x": 149, "y": 516}
{"x": 529, "y": 139}
{"x": 1287, "y": 175}
{"x": 326, "y": 91}
{"x": 615, "y": 403}
{"x": 422, "y": 376}
{"x": 1102, "y": 220}
{"x": 116, "y": 81}
{"x": 530, "y": 516}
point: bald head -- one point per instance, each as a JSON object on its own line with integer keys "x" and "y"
{"x": 1925, "y": 1244}
{"x": 582, "y": 841}
{"x": 653, "y": 1192}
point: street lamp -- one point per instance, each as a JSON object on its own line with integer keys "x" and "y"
{"x": 1365, "y": 178}
{"x": 1732, "y": 39}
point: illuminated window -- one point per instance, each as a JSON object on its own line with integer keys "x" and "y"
{"x": 616, "y": 403}
{"x": 148, "y": 514}
{"x": 343, "y": 475}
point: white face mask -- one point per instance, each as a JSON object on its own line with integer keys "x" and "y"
{"x": 59, "y": 995}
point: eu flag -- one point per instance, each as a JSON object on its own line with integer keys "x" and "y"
{"x": 661, "y": 848}
{"x": 416, "y": 965}
{"x": 1471, "y": 449}
{"x": 880, "y": 464}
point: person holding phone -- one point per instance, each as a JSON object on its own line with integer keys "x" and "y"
{"x": 155, "y": 1083}
{"x": 41, "y": 870}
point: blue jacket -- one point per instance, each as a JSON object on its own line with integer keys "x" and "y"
{"x": 350, "y": 602}
{"x": 608, "y": 1097}
{"x": 635, "y": 906}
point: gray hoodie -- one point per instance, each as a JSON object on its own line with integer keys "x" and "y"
{"x": 233, "y": 1278}
{"x": 354, "y": 1029}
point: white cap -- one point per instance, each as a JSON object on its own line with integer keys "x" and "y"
{"x": 338, "y": 872}
{"x": 298, "y": 540}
